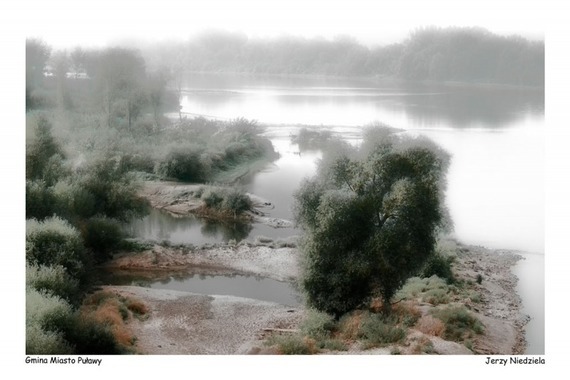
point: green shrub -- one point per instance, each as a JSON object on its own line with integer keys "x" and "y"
{"x": 40, "y": 200}
{"x": 439, "y": 266}
{"x": 375, "y": 330}
{"x": 110, "y": 189}
{"x": 42, "y": 335}
{"x": 41, "y": 149}
{"x": 54, "y": 170}
{"x": 213, "y": 198}
{"x": 460, "y": 324}
{"x": 55, "y": 242}
{"x": 236, "y": 202}
{"x": 291, "y": 344}
{"x": 53, "y": 280}
{"x": 318, "y": 325}
{"x": 432, "y": 287}
{"x": 436, "y": 296}
{"x": 102, "y": 236}
{"x": 332, "y": 345}
{"x": 184, "y": 164}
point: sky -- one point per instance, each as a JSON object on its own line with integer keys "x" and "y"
{"x": 66, "y": 23}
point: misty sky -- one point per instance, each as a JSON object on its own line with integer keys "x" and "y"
{"x": 67, "y": 23}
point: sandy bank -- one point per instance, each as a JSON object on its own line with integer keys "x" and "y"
{"x": 183, "y": 323}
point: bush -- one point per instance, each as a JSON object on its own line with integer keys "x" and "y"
{"x": 436, "y": 296}
{"x": 55, "y": 242}
{"x": 229, "y": 201}
{"x": 53, "y": 280}
{"x": 102, "y": 236}
{"x": 213, "y": 198}
{"x": 318, "y": 325}
{"x": 439, "y": 266}
{"x": 236, "y": 202}
{"x": 111, "y": 190}
{"x": 42, "y": 335}
{"x": 184, "y": 164}
{"x": 292, "y": 344}
{"x": 91, "y": 337}
{"x": 376, "y": 330}
{"x": 40, "y": 200}
{"x": 459, "y": 323}
{"x": 41, "y": 149}
{"x": 430, "y": 325}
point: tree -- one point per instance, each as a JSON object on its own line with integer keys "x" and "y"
{"x": 371, "y": 217}
{"x": 37, "y": 55}
{"x": 119, "y": 75}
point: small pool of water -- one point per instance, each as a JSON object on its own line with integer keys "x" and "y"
{"x": 253, "y": 287}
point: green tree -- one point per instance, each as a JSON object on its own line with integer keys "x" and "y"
{"x": 371, "y": 218}
{"x": 41, "y": 149}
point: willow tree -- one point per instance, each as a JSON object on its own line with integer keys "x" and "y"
{"x": 371, "y": 218}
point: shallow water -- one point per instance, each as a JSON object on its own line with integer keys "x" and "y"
{"x": 254, "y": 287}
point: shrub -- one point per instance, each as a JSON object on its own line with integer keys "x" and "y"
{"x": 42, "y": 334}
{"x": 213, "y": 198}
{"x": 292, "y": 344}
{"x": 184, "y": 164}
{"x": 436, "y": 296}
{"x": 407, "y": 313}
{"x": 376, "y": 330}
{"x": 91, "y": 337}
{"x": 429, "y": 325}
{"x": 55, "y": 242}
{"x": 439, "y": 266}
{"x": 318, "y": 325}
{"x": 53, "y": 280}
{"x": 74, "y": 201}
{"x": 111, "y": 190}
{"x": 459, "y": 323}
{"x": 41, "y": 149}
{"x": 236, "y": 202}
{"x": 54, "y": 170}
{"x": 350, "y": 323}
{"x": 102, "y": 236}
{"x": 40, "y": 200}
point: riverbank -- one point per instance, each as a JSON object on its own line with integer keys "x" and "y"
{"x": 180, "y": 199}
{"x": 187, "y": 323}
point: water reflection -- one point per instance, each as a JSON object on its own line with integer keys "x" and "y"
{"x": 237, "y": 285}
{"x": 357, "y": 102}
{"x": 159, "y": 226}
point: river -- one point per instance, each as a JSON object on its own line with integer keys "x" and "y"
{"x": 494, "y": 135}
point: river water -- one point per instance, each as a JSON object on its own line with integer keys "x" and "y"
{"x": 495, "y": 137}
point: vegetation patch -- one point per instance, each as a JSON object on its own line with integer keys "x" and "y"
{"x": 460, "y": 324}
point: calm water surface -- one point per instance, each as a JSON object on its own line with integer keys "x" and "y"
{"x": 495, "y": 137}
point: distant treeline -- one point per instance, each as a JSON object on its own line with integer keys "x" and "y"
{"x": 451, "y": 54}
